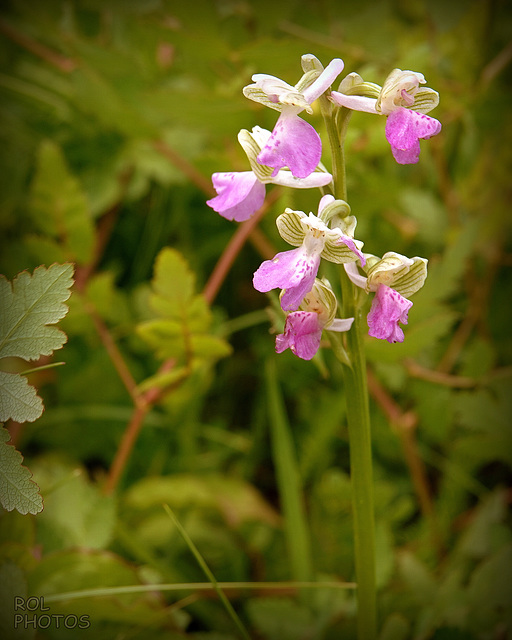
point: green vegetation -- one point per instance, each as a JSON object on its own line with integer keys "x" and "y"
{"x": 171, "y": 405}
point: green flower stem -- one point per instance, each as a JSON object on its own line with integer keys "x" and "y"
{"x": 358, "y": 418}
{"x": 358, "y": 415}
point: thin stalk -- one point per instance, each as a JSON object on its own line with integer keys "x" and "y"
{"x": 361, "y": 471}
{"x": 207, "y": 571}
{"x": 358, "y": 414}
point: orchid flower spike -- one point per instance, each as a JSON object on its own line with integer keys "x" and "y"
{"x": 294, "y": 143}
{"x": 404, "y": 104}
{"x": 295, "y": 270}
{"x": 393, "y": 278}
{"x": 240, "y": 194}
{"x": 303, "y": 328}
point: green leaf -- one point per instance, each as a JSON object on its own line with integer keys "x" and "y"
{"x": 17, "y": 490}
{"x": 28, "y": 306}
{"x": 18, "y": 400}
{"x": 58, "y": 204}
{"x": 182, "y": 327}
{"x": 76, "y": 514}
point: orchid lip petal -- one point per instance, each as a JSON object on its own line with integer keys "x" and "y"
{"x": 404, "y": 129}
{"x": 240, "y": 194}
{"x": 387, "y": 310}
{"x": 294, "y": 271}
{"x": 294, "y": 143}
{"x": 302, "y": 334}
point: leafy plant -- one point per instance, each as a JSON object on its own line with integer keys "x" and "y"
{"x": 31, "y": 305}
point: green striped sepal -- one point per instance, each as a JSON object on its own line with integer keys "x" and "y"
{"x": 425, "y": 100}
{"x": 294, "y": 225}
{"x": 354, "y": 85}
{"x": 252, "y": 143}
{"x": 405, "y": 275}
{"x": 321, "y": 300}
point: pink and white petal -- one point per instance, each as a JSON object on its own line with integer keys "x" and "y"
{"x": 324, "y": 201}
{"x": 302, "y": 334}
{"x": 349, "y": 242}
{"x": 240, "y": 194}
{"x": 354, "y": 276}
{"x": 294, "y": 143}
{"x": 356, "y": 103}
{"x": 285, "y": 178}
{"x": 324, "y": 80}
{"x": 293, "y": 296}
{"x": 293, "y": 271}
{"x": 387, "y": 310}
{"x": 270, "y": 85}
{"x": 340, "y": 324}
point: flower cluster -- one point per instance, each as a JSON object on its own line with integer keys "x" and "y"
{"x": 290, "y": 155}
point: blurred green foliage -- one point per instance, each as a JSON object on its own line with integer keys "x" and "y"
{"x": 113, "y": 116}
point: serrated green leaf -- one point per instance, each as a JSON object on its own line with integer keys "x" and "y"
{"x": 165, "y": 336}
{"x": 17, "y": 489}
{"x": 181, "y": 330}
{"x": 28, "y": 306}
{"x": 58, "y": 204}
{"x": 18, "y": 400}
{"x": 173, "y": 280}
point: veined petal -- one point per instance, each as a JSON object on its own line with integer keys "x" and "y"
{"x": 294, "y": 144}
{"x": 324, "y": 80}
{"x": 357, "y": 103}
{"x": 294, "y": 271}
{"x": 302, "y": 334}
{"x": 387, "y": 310}
{"x": 341, "y": 249}
{"x": 240, "y": 194}
{"x": 404, "y": 128}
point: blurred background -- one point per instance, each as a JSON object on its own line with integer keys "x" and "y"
{"x": 113, "y": 116}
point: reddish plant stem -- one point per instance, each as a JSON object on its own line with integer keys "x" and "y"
{"x": 143, "y": 405}
{"x": 40, "y": 50}
{"x": 404, "y": 424}
{"x": 131, "y": 433}
{"x": 234, "y": 246}
{"x": 114, "y": 354}
{"x": 188, "y": 169}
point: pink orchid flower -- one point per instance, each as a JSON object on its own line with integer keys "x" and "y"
{"x": 406, "y": 121}
{"x": 294, "y": 143}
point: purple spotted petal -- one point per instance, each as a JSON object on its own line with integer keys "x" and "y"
{"x": 294, "y": 143}
{"x": 388, "y": 309}
{"x": 294, "y": 271}
{"x": 404, "y": 128}
{"x": 302, "y": 334}
{"x": 239, "y": 195}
